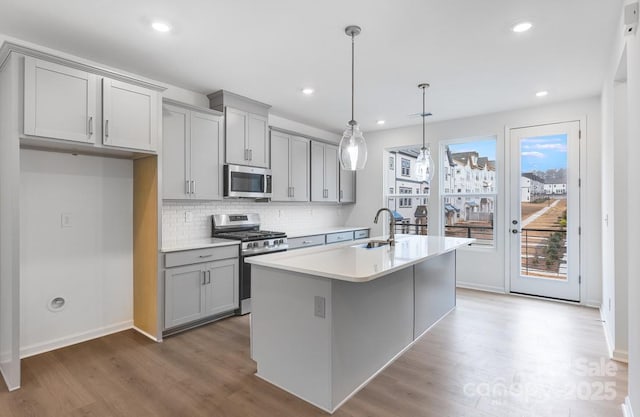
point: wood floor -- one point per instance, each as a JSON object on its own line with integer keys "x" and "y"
{"x": 494, "y": 356}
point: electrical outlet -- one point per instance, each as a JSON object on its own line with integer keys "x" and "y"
{"x": 66, "y": 220}
{"x": 319, "y": 306}
{"x": 188, "y": 216}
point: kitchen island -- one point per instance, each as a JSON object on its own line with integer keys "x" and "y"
{"x": 326, "y": 320}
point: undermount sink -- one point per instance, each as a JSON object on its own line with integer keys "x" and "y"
{"x": 373, "y": 244}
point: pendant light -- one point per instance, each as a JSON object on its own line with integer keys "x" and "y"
{"x": 424, "y": 164}
{"x": 353, "y": 149}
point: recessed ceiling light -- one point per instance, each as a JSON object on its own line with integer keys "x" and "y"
{"x": 161, "y": 26}
{"x": 380, "y": 122}
{"x": 308, "y": 91}
{"x": 522, "y": 27}
{"x": 542, "y": 93}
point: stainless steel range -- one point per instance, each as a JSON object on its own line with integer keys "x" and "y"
{"x": 246, "y": 228}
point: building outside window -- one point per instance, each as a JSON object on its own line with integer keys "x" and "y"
{"x": 469, "y": 193}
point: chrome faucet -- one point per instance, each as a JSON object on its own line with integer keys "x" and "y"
{"x": 392, "y": 225}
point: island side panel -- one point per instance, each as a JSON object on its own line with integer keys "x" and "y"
{"x": 435, "y": 290}
{"x": 291, "y": 345}
{"x": 372, "y": 323}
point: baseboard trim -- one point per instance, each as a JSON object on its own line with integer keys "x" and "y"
{"x": 620, "y": 356}
{"x": 607, "y": 338}
{"x": 626, "y": 408}
{"x": 6, "y": 381}
{"x": 142, "y": 332}
{"x": 36, "y": 349}
{"x": 592, "y": 303}
{"x": 480, "y": 287}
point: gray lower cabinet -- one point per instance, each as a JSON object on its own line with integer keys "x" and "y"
{"x": 198, "y": 291}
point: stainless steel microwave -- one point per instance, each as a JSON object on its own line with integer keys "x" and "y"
{"x": 247, "y": 182}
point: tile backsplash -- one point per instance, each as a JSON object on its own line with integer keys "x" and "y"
{"x": 185, "y": 220}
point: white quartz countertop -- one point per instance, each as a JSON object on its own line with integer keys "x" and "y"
{"x": 350, "y": 261}
{"x": 322, "y": 231}
{"x": 197, "y": 244}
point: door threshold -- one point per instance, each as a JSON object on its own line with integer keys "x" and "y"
{"x": 543, "y": 297}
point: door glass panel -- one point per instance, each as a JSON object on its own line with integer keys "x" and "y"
{"x": 543, "y": 206}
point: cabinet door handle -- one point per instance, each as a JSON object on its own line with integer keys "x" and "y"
{"x": 293, "y": 192}
{"x": 250, "y": 154}
{"x": 193, "y": 186}
{"x": 91, "y": 126}
{"x": 106, "y": 128}
{"x": 341, "y": 194}
{"x": 209, "y": 277}
{"x": 246, "y": 154}
{"x": 187, "y": 187}
{"x": 204, "y": 277}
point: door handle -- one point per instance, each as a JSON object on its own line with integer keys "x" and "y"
{"x": 515, "y": 231}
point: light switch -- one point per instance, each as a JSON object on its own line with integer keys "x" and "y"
{"x": 66, "y": 220}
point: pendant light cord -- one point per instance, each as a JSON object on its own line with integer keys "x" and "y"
{"x": 353, "y": 78}
{"x": 424, "y": 115}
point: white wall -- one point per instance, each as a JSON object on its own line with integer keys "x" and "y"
{"x": 622, "y": 195}
{"x": 492, "y": 274}
{"x": 90, "y": 263}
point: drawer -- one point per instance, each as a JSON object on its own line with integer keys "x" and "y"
{"x": 195, "y": 256}
{"x": 339, "y": 237}
{"x": 361, "y": 234}
{"x": 305, "y": 241}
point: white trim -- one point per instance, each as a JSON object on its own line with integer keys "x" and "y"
{"x": 6, "y": 381}
{"x": 607, "y": 337}
{"x": 591, "y": 303}
{"x": 36, "y": 349}
{"x": 626, "y": 408}
{"x": 480, "y": 287}
{"x": 620, "y": 356}
{"x": 142, "y": 332}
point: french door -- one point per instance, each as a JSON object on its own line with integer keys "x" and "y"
{"x": 545, "y": 211}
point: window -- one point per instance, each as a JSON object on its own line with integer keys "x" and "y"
{"x": 405, "y": 202}
{"x": 406, "y": 167}
{"x": 469, "y": 195}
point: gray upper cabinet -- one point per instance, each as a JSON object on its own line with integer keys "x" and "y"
{"x": 324, "y": 172}
{"x": 290, "y": 166}
{"x": 65, "y": 102}
{"x": 246, "y": 138}
{"x": 347, "y": 186}
{"x": 191, "y": 150}
{"x": 129, "y": 115}
{"x": 246, "y": 128}
{"x": 59, "y": 102}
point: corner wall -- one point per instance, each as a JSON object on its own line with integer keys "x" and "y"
{"x": 492, "y": 277}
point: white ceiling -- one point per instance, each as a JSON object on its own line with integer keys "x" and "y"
{"x": 270, "y": 50}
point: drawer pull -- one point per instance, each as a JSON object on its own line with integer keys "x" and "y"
{"x": 306, "y": 242}
{"x": 206, "y": 256}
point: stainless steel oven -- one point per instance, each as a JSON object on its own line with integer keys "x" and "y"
{"x": 248, "y": 182}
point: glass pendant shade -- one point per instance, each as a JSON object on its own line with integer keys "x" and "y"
{"x": 352, "y": 151}
{"x": 424, "y": 165}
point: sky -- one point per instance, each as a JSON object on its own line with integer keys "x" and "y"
{"x": 541, "y": 153}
